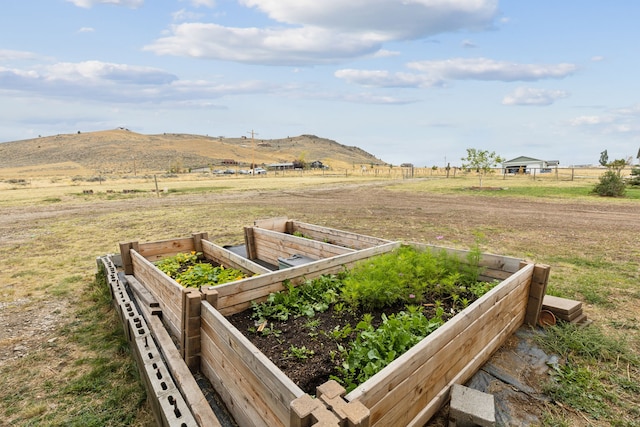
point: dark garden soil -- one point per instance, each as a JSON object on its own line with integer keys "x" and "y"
{"x": 314, "y": 333}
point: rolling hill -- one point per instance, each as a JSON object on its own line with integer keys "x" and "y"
{"x": 121, "y": 151}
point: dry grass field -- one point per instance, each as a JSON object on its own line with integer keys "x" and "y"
{"x": 64, "y": 361}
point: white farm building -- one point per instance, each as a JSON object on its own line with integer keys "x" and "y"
{"x": 524, "y": 164}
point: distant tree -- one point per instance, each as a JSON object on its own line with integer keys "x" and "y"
{"x": 634, "y": 180}
{"x": 604, "y": 158}
{"x": 482, "y": 161}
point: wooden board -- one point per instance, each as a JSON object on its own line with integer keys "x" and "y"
{"x": 270, "y": 245}
{"x": 336, "y": 237}
{"x": 496, "y": 266}
{"x": 278, "y": 224}
{"x": 561, "y": 306}
{"x": 230, "y": 259}
{"x": 257, "y": 393}
{"x": 154, "y": 251}
{"x": 168, "y": 293}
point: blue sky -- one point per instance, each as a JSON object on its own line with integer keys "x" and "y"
{"x": 406, "y": 80}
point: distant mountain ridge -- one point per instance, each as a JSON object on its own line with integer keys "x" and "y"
{"x": 123, "y": 151}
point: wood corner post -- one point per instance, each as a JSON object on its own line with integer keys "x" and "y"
{"x": 249, "y": 242}
{"x": 191, "y": 330}
{"x": 539, "y": 281}
{"x": 197, "y": 240}
{"x": 125, "y": 254}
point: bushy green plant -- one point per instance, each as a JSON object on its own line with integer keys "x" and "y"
{"x": 375, "y": 348}
{"x": 634, "y": 179}
{"x": 610, "y": 184}
{"x": 190, "y": 272}
{"x": 304, "y": 300}
{"x": 172, "y": 265}
{"x": 409, "y": 275}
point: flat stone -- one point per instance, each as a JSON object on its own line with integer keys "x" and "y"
{"x": 471, "y": 407}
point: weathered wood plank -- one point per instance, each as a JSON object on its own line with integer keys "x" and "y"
{"x": 191, "y": 326}
{"x": 230, "y": 259}
{"x": 143, "y": 295}
{"x": 197, "y": 240}
{"x": 337, "y": 237}
{"x": 536, "y": 293}
{"x": 269, "y": 243}
{"x": 154, "y": 251}
{"x": 253, "y": 377}
{"x": 168, "y": 292}
{"x": 278, "y": 224}
{"x": 489, "y": 261}
{"x": 125, "y": 254}
{"x": 465, "y": 373}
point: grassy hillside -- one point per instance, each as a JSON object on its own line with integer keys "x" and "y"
{"x": 123, "y": 151}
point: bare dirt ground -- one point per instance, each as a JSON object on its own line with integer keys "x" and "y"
{"x": 526, "y": 228}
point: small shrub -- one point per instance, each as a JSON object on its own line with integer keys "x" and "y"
{"x": 610, "y": 184}
{"x": 634, "y": 179}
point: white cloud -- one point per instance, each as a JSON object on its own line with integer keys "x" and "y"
{"x": 622, "y": 122}
{"x": 91, "y": 71}
{"x": 119, "y": 83}
{"x": 9, "y": 55}
{"x": 397, "y": 19}
{"x": 313, "y": 32}
{"x": 185, "y": 15}
{"x": 488, "y": 69}
{"x": 86, "y": 30}
{"x": 532, "y": 96}
{"x": 468, "y": 44}
{"x": 287, "y": 46}
{"x": 205, "y": 3}
{"x": 368, "y": 98}
{"x": 87, "y": 4}
{"x": 384, "y": 53}
{"x": 381, "y": 78}
{"x": 434, "y": 73}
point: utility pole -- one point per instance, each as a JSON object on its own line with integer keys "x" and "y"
{"x": 253, "y": 153}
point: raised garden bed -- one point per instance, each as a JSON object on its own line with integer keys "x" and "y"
{"x": 350, "y": 325}
{"x": 408, "y": 391}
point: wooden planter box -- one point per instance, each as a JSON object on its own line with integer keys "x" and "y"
{"x": 409, "y": 391}
{"x": 180, "y": 306}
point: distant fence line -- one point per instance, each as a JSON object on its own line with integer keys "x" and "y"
{"x": 560, "y": 174}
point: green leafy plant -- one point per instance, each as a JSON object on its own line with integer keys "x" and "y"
{"x": 303, "y": 300}
{"x": 375, "y": 348}
{"x": 300, "y": 353}
{"x": 188, "y": 270}
{"x": 409, "y": 275}
{"x": 171, "y": 266}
